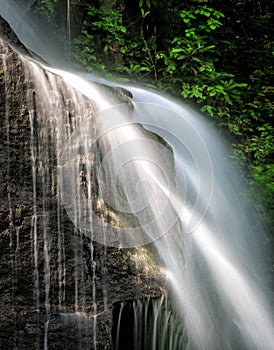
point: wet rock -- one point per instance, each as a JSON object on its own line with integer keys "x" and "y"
{"x": 54, "y": 281}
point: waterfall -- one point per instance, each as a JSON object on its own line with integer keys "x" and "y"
{"x": 148, "y": 324}
{"x": 69, "y": 28}
{"x": 212, "y": 255}
{"x": 158, "y": 174}
{"x": 54, "y": 122}
{"x": 198, "y": 234}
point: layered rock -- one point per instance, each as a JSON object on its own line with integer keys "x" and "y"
{"x": 56, "y": 285}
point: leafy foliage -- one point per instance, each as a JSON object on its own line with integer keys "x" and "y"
{"x": 217, "y": 54}
{"x": 105, "y": 38}
{"x": 46, "y": 8}
{"x": 100, "y": 37}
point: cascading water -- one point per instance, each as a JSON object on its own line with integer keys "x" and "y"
{"x": 148, "y": 324}
{"x": 220, "y": 300}
{"x": 210, "y": 257}
{"x": 207, "y": 240}
{"x": 69, "y": 28}
{"x": 54, "y": 121}
{"x": 221, "y": 288}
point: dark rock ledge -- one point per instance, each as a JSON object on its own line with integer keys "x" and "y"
{"x": 77, "y": 276}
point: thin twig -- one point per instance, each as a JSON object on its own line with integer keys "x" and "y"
{"x": 148, "y": 50}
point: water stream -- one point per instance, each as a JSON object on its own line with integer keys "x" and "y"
{"x": 197, "y": 222}
{"x": 69, "y": 28}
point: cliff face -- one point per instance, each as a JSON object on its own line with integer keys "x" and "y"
{"x": 53, "y": 279}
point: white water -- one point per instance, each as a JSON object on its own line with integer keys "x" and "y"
{"x": 206, "y": 255}
{"x": 214, "y": 256}
{"x": 154, "y": 326}
{"x": 58, "y": 109}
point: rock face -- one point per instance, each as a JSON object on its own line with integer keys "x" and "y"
{"x": 57, "y": 287}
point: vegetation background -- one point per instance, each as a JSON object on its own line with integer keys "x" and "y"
{"x": 215, "y": 54}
